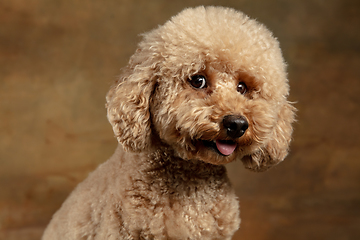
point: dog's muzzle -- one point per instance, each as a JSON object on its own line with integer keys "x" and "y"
{"x": 235, "y": 125}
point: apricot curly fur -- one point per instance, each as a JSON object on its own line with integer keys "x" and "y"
{"x": 166, "y": 179}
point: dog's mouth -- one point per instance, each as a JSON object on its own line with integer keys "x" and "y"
{"x": 223, "y": 147}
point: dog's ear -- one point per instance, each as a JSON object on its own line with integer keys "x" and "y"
{"x": 277, "y": 147}
{"x": 128, "y": 107}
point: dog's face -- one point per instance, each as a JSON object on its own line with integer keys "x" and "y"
{"x": 211, "y": 85}
{"x": 214, "y": 115}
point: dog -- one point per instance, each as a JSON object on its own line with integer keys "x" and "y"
{"x": 207, "y": 88}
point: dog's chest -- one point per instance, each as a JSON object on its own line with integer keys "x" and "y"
{"x": 182, "y": 204}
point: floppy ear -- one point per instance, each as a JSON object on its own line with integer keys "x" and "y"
{"x": 277, "y": 147}
{"x": 128, "y": 107}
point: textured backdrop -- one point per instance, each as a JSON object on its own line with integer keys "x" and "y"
{"x": 58, "y": 59}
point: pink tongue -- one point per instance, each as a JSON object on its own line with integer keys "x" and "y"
{"x": 225, "y": 148}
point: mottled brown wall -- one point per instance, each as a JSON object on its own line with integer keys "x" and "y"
{"x": 58, "y": 59}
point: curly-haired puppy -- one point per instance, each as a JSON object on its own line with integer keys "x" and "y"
{"x": 207, "y": 88}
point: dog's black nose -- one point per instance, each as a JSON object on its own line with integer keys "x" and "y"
{"x": 235, "y": 125}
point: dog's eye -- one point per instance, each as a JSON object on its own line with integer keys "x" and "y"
{"x": 242, "y": 88}
{"x": 198, "y": 81}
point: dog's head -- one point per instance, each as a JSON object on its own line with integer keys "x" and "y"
{"x": 211, "y": 84}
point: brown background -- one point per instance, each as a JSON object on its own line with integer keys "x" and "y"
{"x": 58, "y": 59}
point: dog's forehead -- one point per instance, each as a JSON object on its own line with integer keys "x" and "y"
{"x": 218, "y": 35}
{"x": 217, "y": 28}
{"x": 185, "y": 44}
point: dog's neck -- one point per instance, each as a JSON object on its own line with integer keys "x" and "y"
{"x": 181, "y": 177}
{"x": 162, "y": 156}
{"x": 165, "y": 160}
{"x": 175, "y": 175}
